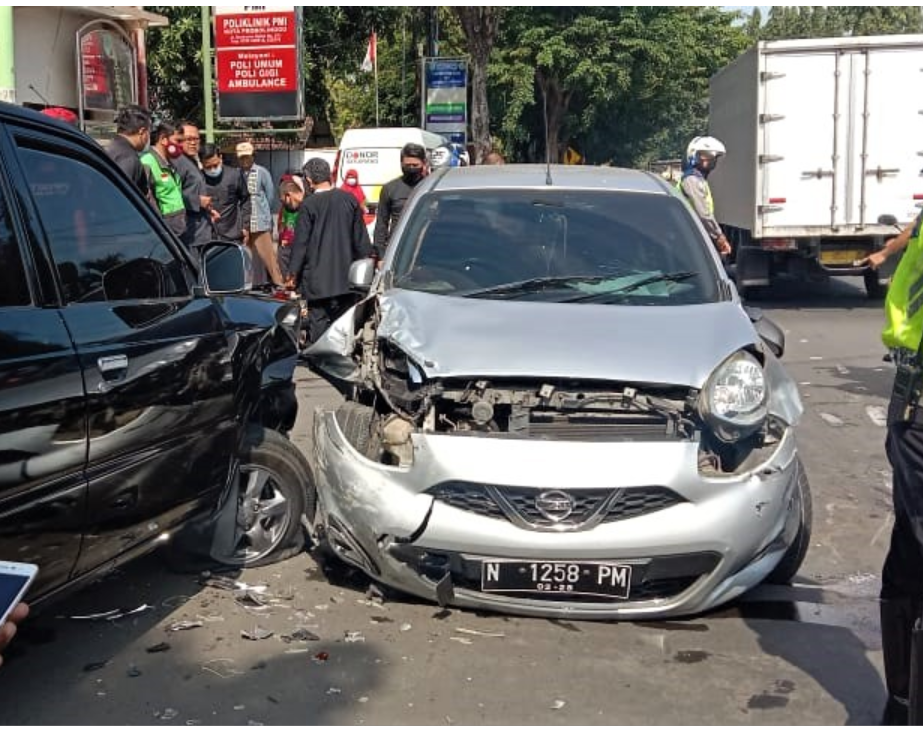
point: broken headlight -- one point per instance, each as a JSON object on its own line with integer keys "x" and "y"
{"x": 735, "y": 399}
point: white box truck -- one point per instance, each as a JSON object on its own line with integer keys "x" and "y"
{"x": 823, "y": 137}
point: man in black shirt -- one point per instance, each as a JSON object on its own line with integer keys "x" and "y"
{"x": 330, "y": 234}
{"x": 230, "y": 199}
{"x": 394, "y": 195}
{"x": 199, "y": 230}
{"x": 133, "y": 127}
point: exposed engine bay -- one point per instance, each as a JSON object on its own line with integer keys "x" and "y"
{"x": 393, "y": 400}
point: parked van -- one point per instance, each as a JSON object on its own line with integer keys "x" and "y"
{"x": 376, "y": 155}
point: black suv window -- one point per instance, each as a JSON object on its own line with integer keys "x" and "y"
{"x": 14, "y": 291}
{"x": 104, "y": 248}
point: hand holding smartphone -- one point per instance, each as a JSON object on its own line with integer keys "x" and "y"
{"x": 15, "y": 579}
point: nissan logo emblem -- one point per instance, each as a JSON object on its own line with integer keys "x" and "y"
{"x": 555, "y": 506}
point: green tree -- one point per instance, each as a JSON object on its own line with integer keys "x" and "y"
{"x": 481, "y": 25}
{"x": 174, "y": 63}
{"x": 830, "y": 22}
{"x": 624, "y": 84}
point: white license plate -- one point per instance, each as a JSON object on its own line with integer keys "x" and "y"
{"x": 608, "y": 580}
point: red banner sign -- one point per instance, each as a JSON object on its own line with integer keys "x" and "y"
{"x": 257, "y": 50}
{"x": 257, "y": 71}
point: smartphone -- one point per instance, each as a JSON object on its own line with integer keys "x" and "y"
{"x": 15, "y": 579}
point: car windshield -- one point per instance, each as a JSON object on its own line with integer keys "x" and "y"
{"x": 577, "y": 246}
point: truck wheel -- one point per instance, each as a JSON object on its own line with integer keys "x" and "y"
{"x": 875, "y": 288}
{"x": 791, "y": 562}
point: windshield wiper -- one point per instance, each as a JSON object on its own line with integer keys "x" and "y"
{"x": 536, "y": 284}
{"x": 635, "y": 285}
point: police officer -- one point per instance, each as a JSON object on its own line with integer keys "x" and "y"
{"x": 902, "y": 574}
{"x": 702, "y": 155}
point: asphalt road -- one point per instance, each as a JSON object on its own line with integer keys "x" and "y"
{"x": 806, "y": 654}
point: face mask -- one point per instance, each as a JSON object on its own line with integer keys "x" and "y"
{"x": 213, "y": 172}
{"x": 174, "y": 150}
{"x": 351, "y": 181}
{"x": 412, "y": 175}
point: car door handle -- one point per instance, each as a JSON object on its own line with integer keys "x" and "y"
{"x": 113, "y": 367}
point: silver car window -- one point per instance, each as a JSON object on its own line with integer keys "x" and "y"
{"x": 641, "y": 249}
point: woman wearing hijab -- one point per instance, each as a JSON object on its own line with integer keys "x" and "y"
{"x": 351, "y": 185}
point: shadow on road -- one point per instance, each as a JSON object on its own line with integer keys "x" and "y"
{"x": 825, "y": 635}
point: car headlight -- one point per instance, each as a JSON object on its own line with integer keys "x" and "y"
{"x": 734, "y": 401}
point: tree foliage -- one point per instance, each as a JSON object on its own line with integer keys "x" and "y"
{"x": 624, "y": 83}
{"x": 810, "y": 21}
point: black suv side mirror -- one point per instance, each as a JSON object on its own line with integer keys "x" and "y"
{"x": 227, "y": 268}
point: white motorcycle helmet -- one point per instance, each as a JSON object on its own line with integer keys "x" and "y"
{"x": 705, "y": 147}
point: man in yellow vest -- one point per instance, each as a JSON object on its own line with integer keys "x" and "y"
{"x": 902, "y": 575}
{"x": 702, "y": 155}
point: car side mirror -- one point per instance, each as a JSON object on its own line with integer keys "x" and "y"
{"x": 227, "y": 268}
{"x": 887, "y": 220}
{"x": 770, "y": 333}
{"x": 362, "y": 273}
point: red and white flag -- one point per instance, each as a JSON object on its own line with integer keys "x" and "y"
{"x": 368, "y": 63}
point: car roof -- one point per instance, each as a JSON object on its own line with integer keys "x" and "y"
{"x": 563, "y": 177}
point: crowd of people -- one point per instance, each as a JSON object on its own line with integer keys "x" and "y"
{"x": 302, "y": 231}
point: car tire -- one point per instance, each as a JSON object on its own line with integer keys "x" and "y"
{"x": 791, "y": 562}
{"x": 276, "y": 500}
{"x": 356, "y": 422}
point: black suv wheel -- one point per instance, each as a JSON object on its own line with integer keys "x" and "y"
{"x": 276, "y": 498}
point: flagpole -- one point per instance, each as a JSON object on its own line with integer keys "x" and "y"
{"x": 375, "y": 62}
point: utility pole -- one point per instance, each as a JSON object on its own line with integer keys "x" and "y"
{"x": 432, "y": 48}
{"x": 207, "y": 74}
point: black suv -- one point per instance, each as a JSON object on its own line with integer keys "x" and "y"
{"x": 138, "y": 393}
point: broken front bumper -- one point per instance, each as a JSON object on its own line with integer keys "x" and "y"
{"x": 692, "y": 542}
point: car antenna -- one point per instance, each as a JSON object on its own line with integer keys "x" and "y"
{"x": 548, "y": 180}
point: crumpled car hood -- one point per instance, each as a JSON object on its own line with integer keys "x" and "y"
{"x": 450, "y": 337}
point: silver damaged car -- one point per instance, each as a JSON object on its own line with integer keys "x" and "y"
{"x": 557, "y": 405}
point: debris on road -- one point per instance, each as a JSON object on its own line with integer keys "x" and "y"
{"x": 133, "y": 671}
{"x": 558, "y": 704}
{"x": 461, "y": 640}
{"x": 299, "y": 634}
{"x": 157, "y": 648}
{"x": 184, "y": 625}
{"x": 334, "y": 691}
{"x": 167, "y": 714}
{"x": 258, "y": 634}
{"x": 95, "y": 666}
{"x": 221, "y": 668}
{"x": 406, "y": 627}
{"x": 320, "y": 657}
{"x": 353, "y": 637}
{"x": 475, "y": 632}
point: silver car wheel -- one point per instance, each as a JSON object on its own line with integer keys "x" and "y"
{"x": 263, "y": 515}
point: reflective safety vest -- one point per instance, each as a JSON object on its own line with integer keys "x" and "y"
{"x": 709, "y": 200}
{"x": 168, "y": 189}
{"x": 904, "y": 303}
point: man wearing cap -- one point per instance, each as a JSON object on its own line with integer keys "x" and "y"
{"x": 263, "y": 204}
